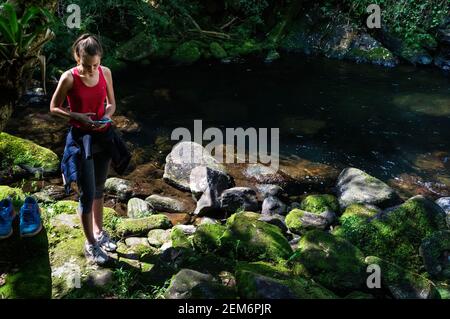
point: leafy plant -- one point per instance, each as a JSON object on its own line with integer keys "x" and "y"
{"x": 21, "y": 41}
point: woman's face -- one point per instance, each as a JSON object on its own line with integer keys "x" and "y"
{"x": 89, "y": 64}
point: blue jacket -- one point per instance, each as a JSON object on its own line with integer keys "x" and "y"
{"x": 78, "y": 143}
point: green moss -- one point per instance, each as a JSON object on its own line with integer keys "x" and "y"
{"x": 372, "y": 55}
{"x": 208, "y": 237}
{"x": 217, "y": 51}
{"x": 332, "y": 261}
{"x": 320, "y": 203}
{"x": 247, "y": 275}
{"x": 110, "y": 219}
{"x": 18, "y": 151}
{"x": 179, "y": 238}
{"x": 16, "y": 194}
{"x": 433, "y": 250}
{"x": 251, "y": 239}
{"x": 398, "y": 235}
{"x": 141, "y": 226}
{"x": 293, "y": 221}
{"x": 186, "y": 53}
{"x": 403, "y": 284}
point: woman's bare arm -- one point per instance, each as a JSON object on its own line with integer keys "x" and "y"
{"x": 110, "y": 98}
{"x": 64, "y": 85}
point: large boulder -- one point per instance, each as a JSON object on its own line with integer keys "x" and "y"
{"x": 29, "y": 156}
{"x": 403, "y": 284}
{"x": 394, "y": 234}
{"x": 238, "y": 198}
{"x": 331, "y": 261}
{"x": 183, "y": 158}
{"x": 355, "y": 186}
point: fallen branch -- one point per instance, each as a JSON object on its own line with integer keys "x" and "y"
{"x": 212, "y": 34}
{"x": 226, "y": 25}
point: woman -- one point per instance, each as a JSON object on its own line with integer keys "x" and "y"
{"x": 86, "y": 87}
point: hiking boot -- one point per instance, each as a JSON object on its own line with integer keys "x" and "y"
{"x": 7, "y": 216}
{"x": 30, "y": 218}
{"x": 105, "y": 242}
{"x": 95, "y": 254}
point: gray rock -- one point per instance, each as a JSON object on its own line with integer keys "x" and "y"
{"x": 272, "y": 205}
{"x": 136, "y": 241}
{"x": 137, "y": 208}
{"x": 315, "y": 221}
{"x": 206, "y": 220}
{"x": 119, "y": 187}
{"x": 165, "y": 204}
{"x": 267, "y": 190}
{"x": 355, "y": 186}
{"x": 239, "y": 198}
{"x": 184, "y": 157}
{"x": 158, "y": 237}
{"x": 207, "y": 185}
{"x": 444, "y": 203}
{"x": 184, "y": 281}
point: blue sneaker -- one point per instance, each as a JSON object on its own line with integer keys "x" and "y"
{"x": 30, "y": 218}
{"x": 7, "y": 215}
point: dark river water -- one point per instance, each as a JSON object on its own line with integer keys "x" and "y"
{"x": 392, "y": 123}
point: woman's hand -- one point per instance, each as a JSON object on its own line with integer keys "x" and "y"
{"x": 101, "y": 126}
{"x": 84, "y": 118}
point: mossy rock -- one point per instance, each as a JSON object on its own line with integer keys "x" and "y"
{"x": 141, "y": 226}
{"x": 25, "y": 153}
{"x": 217, "y": 51}
{"x": 320, "y": 203}
{"x": 377, "y": 55}
{"x": 260, "y": 280}
{"x": 396, "y": 234}
{"x": 16, "y": 194}
{"x": 136, "y": 49}
{"x": 403, "y": 284}
{"x": 208, "y": 237}
{"x": 331, "y": 261}
{"x": 186, "y": 53}
{"x": 180, "y": 239}
{"x": 435, "y": 253}
{"x": 249, "y": 239}
{"x": 299, "y": 221}
{"x": 444, "y": 290}
{"x": 63, "y": 207}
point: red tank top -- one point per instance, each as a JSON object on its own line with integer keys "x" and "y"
{"x": 87, "y": 99}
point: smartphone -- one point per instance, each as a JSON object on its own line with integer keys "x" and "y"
{"x": 103, "y": 121}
